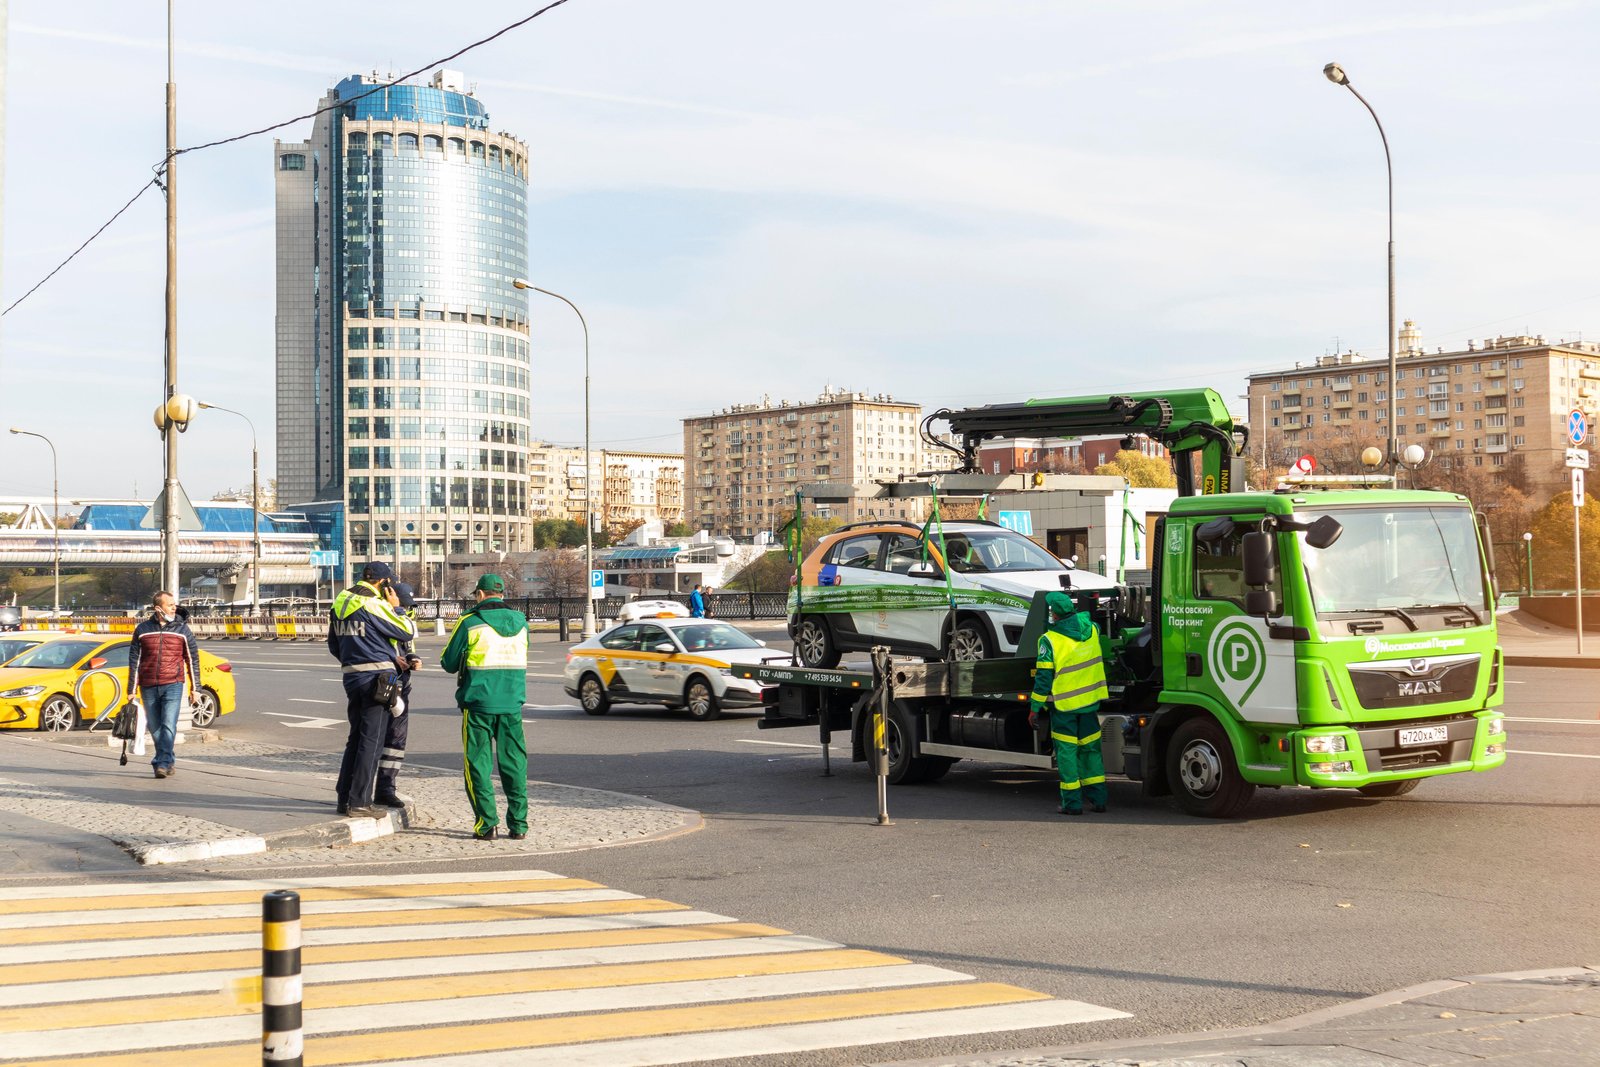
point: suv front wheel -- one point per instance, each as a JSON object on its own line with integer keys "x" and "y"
{"x": 813, "y": 644}
{"x": 969, "y": 642}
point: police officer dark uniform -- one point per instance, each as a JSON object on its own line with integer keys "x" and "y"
{"x": 1070, "y": 680}
{"x": 394, "y": 738}
{"x": 365, "y": 629}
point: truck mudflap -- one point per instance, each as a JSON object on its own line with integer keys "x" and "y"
{"x": 1372, "y": 753}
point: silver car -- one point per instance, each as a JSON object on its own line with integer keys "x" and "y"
{"x": 679, "y": 663}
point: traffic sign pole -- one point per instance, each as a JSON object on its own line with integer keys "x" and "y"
{"x": 1577, "y": 459}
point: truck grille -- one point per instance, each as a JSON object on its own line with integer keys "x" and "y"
{"x": 1409, "y": 683}
{"x": 1381, "y": 744}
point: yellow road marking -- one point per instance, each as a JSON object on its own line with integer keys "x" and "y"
{"x": 245, "y": 923}
{"x": 226, "y": 960}
{"x": 459, "y": 1039}
{"x": 144, "y": 903}
{"x": 452, "y": 987}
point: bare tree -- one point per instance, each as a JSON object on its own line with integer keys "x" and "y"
{"x": 561, "y": 573}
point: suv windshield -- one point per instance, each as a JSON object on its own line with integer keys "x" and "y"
{"x": 1395, "y": 561}
{"x": 993, "y": 551}
{"x": 708, "y": 636}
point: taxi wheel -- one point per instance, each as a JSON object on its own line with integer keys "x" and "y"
{"x": 58, "y": 715}
{"x": 970, "y": 642}
{"x": 592, "y": 695}
{"x": 700, "y": 701}
{"x": 813, "y": 644}
{"x": 205, "y": 709}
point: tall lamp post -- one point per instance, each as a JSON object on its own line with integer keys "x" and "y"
{"x": 1337, "y": 76}
{"x": 255, "y": 506}
{"x": 588, "y": 470}
{"x": 55, "y": 513}
{"x": 1527, "y": 558}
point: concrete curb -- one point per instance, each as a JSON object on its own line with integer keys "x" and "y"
{"x": 331, "y": 834}
{"x": 1097, "y": 1050}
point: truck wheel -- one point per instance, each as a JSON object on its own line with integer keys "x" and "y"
{"x": 1203, "y": 773}
{"x": 813, "y": 644}
{"x": 969, "y": 642}
{"x": 1389, "y": 789}
{"x": 700, "y": 700}
{"x": 592, "y": 695}
{"x": 900, "y": 735}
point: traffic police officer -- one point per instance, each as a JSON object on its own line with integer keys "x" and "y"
{"x": 1070, "y": 679}
{"x": 395, "y": 730}
{"x": 364, "y": 633}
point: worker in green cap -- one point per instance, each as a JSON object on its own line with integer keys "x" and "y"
{"x": 1070, "y": 680}
{"x": 488, "y": 653}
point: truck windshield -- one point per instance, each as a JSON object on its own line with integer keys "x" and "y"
{"x": 1397, "y": 561}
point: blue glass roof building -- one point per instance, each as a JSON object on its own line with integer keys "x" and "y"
{"x": 402, "y": 346}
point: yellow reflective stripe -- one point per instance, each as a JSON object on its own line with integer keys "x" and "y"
{"x": 1069, "y": 785}
{"x": 1096, "y": 780}
{"x": 1080, "y": 666}
{"x": 1091, "y": 739}
{"x": 1068, "y": 738}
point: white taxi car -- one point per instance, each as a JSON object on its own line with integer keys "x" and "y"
{"x": 677, "y": 662}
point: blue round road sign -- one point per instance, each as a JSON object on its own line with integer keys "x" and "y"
{"x": 1577, "y": 426}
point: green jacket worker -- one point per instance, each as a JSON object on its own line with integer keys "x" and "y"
{"x": 488, "y": 654}
{"x": 1070, "y": 680}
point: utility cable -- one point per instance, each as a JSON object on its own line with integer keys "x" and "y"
{"x": 160, "y": 168}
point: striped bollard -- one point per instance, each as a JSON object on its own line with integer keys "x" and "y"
{"x": 282, "y": 1040}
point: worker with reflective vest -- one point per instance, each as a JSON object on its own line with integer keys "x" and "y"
{"x": 365, "y": 630}
{"x": 1070, "y": 680}
{"x": 488, "y": 652}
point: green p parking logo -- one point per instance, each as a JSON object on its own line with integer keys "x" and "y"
{"x": 1238, "y": 658}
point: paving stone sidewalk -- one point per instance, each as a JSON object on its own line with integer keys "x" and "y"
{"x": 246, "y": 804}
{"x": 1546, "y": 1018}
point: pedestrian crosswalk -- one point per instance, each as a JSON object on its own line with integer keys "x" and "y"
{"x": 480, "y": 970}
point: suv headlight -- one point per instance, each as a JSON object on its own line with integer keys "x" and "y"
{"x": 25, "y": 691}
{"x": 1326, "y": 743}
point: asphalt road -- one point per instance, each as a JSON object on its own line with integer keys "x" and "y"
{"x": 1188, "y": 924}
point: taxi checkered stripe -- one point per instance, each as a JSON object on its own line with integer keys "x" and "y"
{"x": 513, "y": 967}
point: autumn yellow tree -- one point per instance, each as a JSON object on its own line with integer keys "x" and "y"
{"x": 1552, "y": 543}
{"x": 1139, "y": 470}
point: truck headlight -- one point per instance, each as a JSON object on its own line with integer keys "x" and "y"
{"x": 1497, "y": 727}
{"x": 1326, "y": 743}
{"x": 25, "y": 691}
{"x": 1342, "y": 767}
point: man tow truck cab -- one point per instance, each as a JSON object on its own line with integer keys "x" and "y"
{"x": 1320, "y": 635}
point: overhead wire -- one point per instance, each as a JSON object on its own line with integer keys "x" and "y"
{"x": 161, "y": 167}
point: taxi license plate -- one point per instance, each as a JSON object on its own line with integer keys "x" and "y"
{"x": 1424, "y": 735}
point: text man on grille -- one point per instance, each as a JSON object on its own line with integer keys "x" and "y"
{"x": 1070, "y": 680}
{"x": 488, "y": 652}
{"x": 365, "y": 630}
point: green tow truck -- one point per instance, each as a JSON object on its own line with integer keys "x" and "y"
{"x": 1321, "y": 635}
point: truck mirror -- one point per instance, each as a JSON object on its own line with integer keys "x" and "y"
{"x": 1262, "y": 603}
{"x": 1260, "y": 568}
{"x": 1324, "y": 532}
{"x": 1216, "y": 530}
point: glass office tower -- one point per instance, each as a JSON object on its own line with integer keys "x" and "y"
{"x": 402, "y": 345}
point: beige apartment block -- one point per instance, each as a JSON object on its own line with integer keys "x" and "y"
{"x": 634, "y": 485}
{"x": 1499, "y": 406}
{"x": 743, "y": 464}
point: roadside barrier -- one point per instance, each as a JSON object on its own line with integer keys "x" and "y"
{"x": 282, "y": 1036}
{"x": 227, "y": 627}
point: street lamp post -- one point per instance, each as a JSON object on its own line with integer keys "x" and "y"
{"x": 588, "y": 470}
{"x": 1527, "y": 556}
{"x": 55, "y": 513}
{"x": 255, "y": 507}
{"x": 1337, "y": 76}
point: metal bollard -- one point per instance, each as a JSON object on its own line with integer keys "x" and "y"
{"x": 282, "y": 1039}
{"x": 881, "y": 697}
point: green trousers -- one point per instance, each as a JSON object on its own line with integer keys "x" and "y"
{"x": 490, "y": 741}
{"x": 1078, "y": 759}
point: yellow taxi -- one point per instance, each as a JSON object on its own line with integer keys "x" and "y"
{"x": 40, "y": 690}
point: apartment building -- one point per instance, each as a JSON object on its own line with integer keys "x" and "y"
{"x": 743, "y": 464}
{"x": 1500, "y": 406}
{"x": 633, "y": 485}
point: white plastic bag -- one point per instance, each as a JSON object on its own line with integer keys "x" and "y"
{"x": 139, "y": 732}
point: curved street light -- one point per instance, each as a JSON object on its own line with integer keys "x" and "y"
{"x": 255, "y": 504}
{"x": 55, "y": 516}
{"x": 1337, "y": 76}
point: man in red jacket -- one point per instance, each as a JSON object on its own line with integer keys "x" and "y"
{"x": 163, "y": 654}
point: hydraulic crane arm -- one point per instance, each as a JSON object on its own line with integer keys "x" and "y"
{"x": 1185, "y": 421}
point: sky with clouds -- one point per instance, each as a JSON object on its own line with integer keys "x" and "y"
{"x": 956, "y": 203}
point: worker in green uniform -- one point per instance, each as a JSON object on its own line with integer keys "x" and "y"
{"x": 1070, "y": 680}
{"x": 488, "y": 652}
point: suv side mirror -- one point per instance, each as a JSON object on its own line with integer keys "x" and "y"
{"x": 1260, "y": 564}
{"x": 922, "y": 569}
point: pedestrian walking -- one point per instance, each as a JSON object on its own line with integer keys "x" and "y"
{"x": 365, "y": 629}
{"x": 705, "y": 603}
{"x": 164, "y": 664}
{"x": 1070, "y": 680}
{"x": 697, "y": 603}
{"x": 488, "y": 653}
{"x": 399, "y": 722}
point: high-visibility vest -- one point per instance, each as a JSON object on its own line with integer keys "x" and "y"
{"x": 488, "y": 650}
{"x": 1080, "y": 678}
